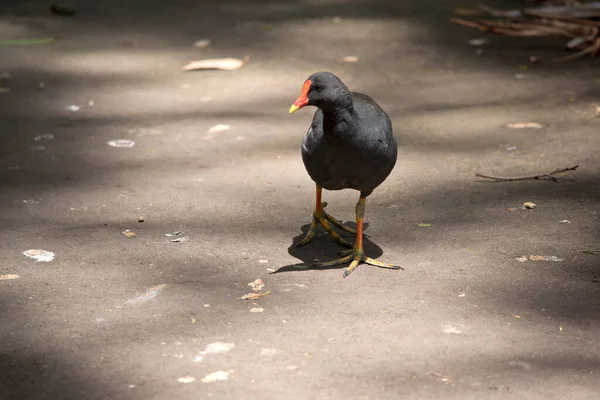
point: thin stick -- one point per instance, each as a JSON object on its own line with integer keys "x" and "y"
{"x": 548, "y": 177}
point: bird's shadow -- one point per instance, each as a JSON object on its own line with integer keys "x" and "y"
{"x": 323, "y": 247}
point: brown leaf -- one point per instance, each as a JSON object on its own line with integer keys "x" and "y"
{"x": 257, "y": 285}
{"x": 129, "y": 234}
{"x": 254, "y": 296}
{"x": 524, "y": 125}
{"x": 223, "y": 64}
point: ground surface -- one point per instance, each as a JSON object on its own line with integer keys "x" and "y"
{"x": 464, "y": 320}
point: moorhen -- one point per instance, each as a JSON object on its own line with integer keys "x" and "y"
{"x": 349, "y": 145}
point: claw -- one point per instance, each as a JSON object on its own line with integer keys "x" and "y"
{"x": 322, "y": 220}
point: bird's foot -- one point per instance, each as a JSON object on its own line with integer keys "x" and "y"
{"x": 324, "y": 219}
{"x": 355, "y": 257}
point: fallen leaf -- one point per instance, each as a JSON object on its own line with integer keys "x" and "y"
{"x": 186, "y": 379}
{"x": 202, "y": 43}
{"x": 8, "y": 277}
{"x": 217, "y": 376}
{"x": 529, "y": 205}
{"x": 423, "y": 225}
{"x": 564, "y": 221}
{"x": 539, "y": 258}
{"x": 129, "y": 234}
{"x": 517, "y": 316}
{"x": 536, "y": 258}
{"x": 452, "y": 329}
{"x": 253, "y": 296}
{"x": 121, "y": 143}
{"x": 524, "y": 125}
{"x": 263, "y": 261}
{"x": 219, "y": 128}
{"x": 223, "y": 64}
{"x": 350, "y": 59}
{"x": 176, "y": 233}
{"x": 218, "y": 347}
{"x": 478, "y": 42}
{"x": 179, "y": 240}
{"x": 257, "y": 285}
{"x": 39, "y": 255}
{"x": 257, "y": 310}
{"x": 148, "y": 295}
{"x": 44, "y": 136}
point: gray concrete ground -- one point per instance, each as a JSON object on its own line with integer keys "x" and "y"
{"x": 464, "y": 320}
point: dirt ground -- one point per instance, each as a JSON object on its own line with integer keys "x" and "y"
{"x": 112, "y": 317}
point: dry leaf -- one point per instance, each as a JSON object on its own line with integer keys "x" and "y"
{"x": 350, "y": 59}
{"x": 257, "y": 285}
{"x": 202, "y": 43}
{"x": 223, "y": 64}
{"x": 9, "y": 277}
{"x": 529, "y": 205}
{"x": 256, "y": 309}
{"x": 524, "y": 125}
{"x": 217, "y": 376}
{"x": 121, "y": 143}
{"x": 39, "y": 255}
{"x": 219, "y": 128}
{"x": 254, "y": 296}
{"x": 539, "y": 258}
{"x": 536, "y": 258}
{"x": 129, "y": 234}
{"x": 478, "y": 42}
{"x": 186, "y": 379}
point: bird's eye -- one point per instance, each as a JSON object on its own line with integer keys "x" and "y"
{"x": 318, "y": 88}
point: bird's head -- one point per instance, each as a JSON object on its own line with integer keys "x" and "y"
{"x": 323, "y": 90}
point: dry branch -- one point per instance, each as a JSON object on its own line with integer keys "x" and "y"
{"x": 580, "y": 22}
{"x": 547, "y": 177}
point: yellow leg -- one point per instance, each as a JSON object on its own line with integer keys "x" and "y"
{"x": 357, "y": 254}
{"x": 323, "y": 218}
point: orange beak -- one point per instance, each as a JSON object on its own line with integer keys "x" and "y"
{"x": 303, "y": 99}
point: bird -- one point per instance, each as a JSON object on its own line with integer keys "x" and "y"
{"x": 349, "y": 145}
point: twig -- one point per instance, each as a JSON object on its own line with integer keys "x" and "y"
{"x": 548, "y": 177}
{"x": 593, "y": 50}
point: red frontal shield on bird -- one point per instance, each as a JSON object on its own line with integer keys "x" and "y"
{"x": 303, "y": 99}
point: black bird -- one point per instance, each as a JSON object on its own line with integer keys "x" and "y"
{"x": 349, "y": 145}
